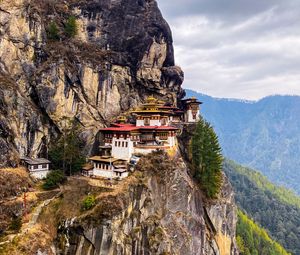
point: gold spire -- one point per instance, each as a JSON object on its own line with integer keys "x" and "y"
{"x": 122, "y": 119}
{"x": 151, "y": 100}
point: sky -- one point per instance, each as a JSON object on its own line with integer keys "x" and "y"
{"x": 237, "y": 48}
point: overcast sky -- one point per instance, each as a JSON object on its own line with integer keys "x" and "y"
{"x": 237, "y": 48}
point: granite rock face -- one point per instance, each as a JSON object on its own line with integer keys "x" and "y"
{"x": 167, "y": 214}
{"x": 121, "y": 54}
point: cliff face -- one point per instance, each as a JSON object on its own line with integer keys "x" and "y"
{"x": 163, "y": 212}
{"x": 121, "y": 54}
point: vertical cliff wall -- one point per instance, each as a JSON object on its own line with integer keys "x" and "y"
{"x": 121, "y": 54}
{"x": 157, "y": 210}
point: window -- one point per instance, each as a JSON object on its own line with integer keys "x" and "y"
{"x": 122, "y": 144}
{"x": 126, "y": 144}
{"x": 119, "y": 144}
{"x": 116, "y": 143}
{"x": 44, "y": 166}
{"x": 147, "y": 121}
{"x": 35, "y": 166}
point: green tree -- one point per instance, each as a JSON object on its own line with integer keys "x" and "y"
{"x": 67, "y": 152}
{"x": 71, "y": 27}
{"x": 207, "y": 158}
{"x": 53, "y": 31}
{"x": 53, "y": 179}
{"x": 88, "y": 203}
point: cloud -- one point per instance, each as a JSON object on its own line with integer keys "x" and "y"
{"x": 237, "y": 48}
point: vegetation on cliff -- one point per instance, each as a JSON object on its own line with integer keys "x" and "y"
{"x": 67, "y": 153}
{"x": 207, "y": 159}
{"x": 53, "y": 31}
{"x": 274, "y": 208}
{"x": 71, "y": 27}
{"x": 54, "y": 179}
{"x": 253, "y": 240}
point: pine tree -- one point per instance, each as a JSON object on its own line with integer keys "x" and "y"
{"x": 207, "y": 159}
{"x": 52, "y": 31}
{"x": 67, "y": 152}
{"x": 71, "y": 27}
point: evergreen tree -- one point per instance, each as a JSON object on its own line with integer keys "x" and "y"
{"x": 67, "y": 152}
{"x": 71, "y": 27}
{"x": 52, "y": 31}
{"x": 207, "y": 158}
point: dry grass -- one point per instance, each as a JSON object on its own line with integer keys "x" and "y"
{"x": 13, "y": 181}
{"x": 38, "y": 238}
{"x": 21, "y": 171}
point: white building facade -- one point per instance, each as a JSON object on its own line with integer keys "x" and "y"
{"x": 38, "y": 168}
{"x": 191, "y": 110}
{"x": 109, "y": 167}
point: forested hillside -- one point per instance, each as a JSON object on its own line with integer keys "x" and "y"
{"x": 264, "y": 135}
{"x": 275, "y": 209}
{"x": 253, "y": 240}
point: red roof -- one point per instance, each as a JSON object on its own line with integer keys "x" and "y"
{"x": 158, "y": 127}
{"x": 120, "y": 129}
{"x": 122, "y": 125}
{"x": 130, "y": 127}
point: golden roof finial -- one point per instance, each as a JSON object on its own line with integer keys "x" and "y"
{"x": 151, "y": 99}
{"x": 122, "y": 119}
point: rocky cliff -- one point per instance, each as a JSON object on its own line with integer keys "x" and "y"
{"x": 122, "y": 53}
{"x": 157, "y": 210}
{"x": 162, "y": 212}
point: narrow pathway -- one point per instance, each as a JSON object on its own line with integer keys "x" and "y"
{"x": 36, "y": 213}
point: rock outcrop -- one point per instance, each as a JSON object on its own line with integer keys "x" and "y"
{"x": 122, "y": 53}
{"x": 163, "y": 212}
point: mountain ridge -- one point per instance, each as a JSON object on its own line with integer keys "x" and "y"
{"x": 264, "y": 135}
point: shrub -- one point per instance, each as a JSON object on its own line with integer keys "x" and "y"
{"x": 71, "y": 27}
{"x": 207, "y": 159}
{"x": 88, "y": 203}
{"x": 52, "y": 31}
{"x": 16, "y": 224}
{"x": 53, "y": 179}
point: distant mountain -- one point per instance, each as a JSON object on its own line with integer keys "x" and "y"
{"x": 274, "y": 208}
{"x": 263, "y": 134}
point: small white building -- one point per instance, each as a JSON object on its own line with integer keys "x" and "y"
{"x": 38, "y": 168}
{"x": 88, "y": 170}
{"x": 191, "y": 110}
{"x": 109, "y": 167}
